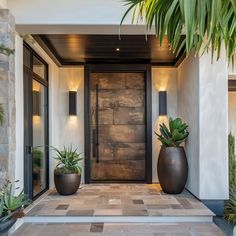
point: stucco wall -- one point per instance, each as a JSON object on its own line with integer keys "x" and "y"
{"x": 3, "y": 4}
{"x": 213, "y": 88}
{"x": 232, "y": 112}
{"x": 202, "y": 102}
{"x": 163, "y": 79}
{"x": 71, "y": 128}
{"x": 19, "y": 161}
{"x": 188, "y": 110}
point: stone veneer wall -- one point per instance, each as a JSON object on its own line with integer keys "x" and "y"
{"x": 7, "y": 98}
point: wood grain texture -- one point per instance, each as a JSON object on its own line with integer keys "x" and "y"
{"x": 121, "y": 125}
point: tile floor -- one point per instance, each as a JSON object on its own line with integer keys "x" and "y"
{"x": 111, "y": 229}
{"x": 120, "y": 200}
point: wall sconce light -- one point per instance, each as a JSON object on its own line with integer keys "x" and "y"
{"x": 162, "y": 103}
{"x": 72, "y": 103}
{"x": 36, "y": 103}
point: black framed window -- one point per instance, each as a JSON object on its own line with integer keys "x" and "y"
{"x": 35, "y": 123}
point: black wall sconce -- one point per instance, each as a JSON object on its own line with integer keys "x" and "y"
{"x": 162, "y": 103}
{"x": 36, "y": 103}
{"x": 72, "y": 103}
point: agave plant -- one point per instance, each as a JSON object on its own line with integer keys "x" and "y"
{"x": 10, "y": 204}
{"x": 175, "y": 134}
{"x": 68, "y": 160}
{"x": 230, "y": 207}
{"x": 206, "y": 23}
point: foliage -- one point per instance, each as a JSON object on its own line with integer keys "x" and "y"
{"x": 206, "y": 23}
{"x": 37, "y": 157}
{"x": 232, "y": 160}
{"x": 68, "y": 160}
{"x": 230, "y": 206}
{"x": 5, "y": 50}
{"x": 175, "y": 135}
{"x": 11, "y": 204}
{"x": 1, "y": 114}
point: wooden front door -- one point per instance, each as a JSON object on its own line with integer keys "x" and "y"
{"x": 117, "y": 126}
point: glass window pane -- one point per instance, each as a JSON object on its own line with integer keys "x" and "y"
{"x": 39, "y": 148}
{"x": 38, "y": 67}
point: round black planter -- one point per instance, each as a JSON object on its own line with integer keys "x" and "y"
{"x": 5, "y": 226}
{"x": 172, "y": 169}
{"x": 67, "y": 184}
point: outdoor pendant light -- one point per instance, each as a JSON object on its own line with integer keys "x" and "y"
{"x": 36, "y": 103}
{"x": 162, "y": 103}
{"x": 72, "y": 103}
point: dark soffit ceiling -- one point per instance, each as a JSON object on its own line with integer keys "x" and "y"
{"x": 80, "y": 49}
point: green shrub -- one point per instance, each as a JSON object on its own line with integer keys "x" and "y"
{"x": 1, "y": 114}
{"x": 175, "y": 134}
{"x": 232, "y": 160}
{"x": 68, "y": 161}
{"x": 230, "y": 205}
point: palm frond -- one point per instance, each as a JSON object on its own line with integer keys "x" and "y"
{"x": 207, "y": 24}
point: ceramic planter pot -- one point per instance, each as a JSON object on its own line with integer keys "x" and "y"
{"x": 67, "y": 184}
{"x": 5, "y": 226}
{"x": 172, "y": 168}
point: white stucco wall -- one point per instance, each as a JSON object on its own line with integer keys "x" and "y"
{"x": 71, "y": 131}
{"x": 19, "y": 160}
{"x": 232, "y": 112}
{"x": 163, "y": 79}
{"x": 203, "y": 93}
{"x": 213, "y": 85}
{"x": 188, "y": 110}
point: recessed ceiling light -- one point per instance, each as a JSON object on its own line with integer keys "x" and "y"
{"x": 117, "y": 49}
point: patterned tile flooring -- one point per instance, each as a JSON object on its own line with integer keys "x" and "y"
{"x": 118, "y": 200}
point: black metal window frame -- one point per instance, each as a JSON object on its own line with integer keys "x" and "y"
{"x": 96, "y": 68}
{"x": 28, "y": 178}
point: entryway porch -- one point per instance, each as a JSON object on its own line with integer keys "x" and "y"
{"x": 102, "y": 208}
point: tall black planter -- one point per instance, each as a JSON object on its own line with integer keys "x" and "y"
{"x": 172, "y": 169}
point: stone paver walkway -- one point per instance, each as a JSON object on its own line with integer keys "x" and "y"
{"x": 108, "y": 229}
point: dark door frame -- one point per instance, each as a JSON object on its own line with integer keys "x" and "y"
{"x": 144, "y": 68}
{"x": 28, "y": 124}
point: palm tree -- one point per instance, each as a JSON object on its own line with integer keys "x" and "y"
{"x": 1, "y": 114}
{"x": 206, "y": 23}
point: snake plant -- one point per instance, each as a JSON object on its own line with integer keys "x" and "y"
{"x": 175, "y": 134}
{"x": 207, "y": 24}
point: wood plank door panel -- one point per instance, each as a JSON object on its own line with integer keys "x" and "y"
{"x": 118, "y": 126}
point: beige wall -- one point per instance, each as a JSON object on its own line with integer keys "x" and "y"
{"x": 71, "y": 128}
{"x": 3, "y": 4}
{"x": 163, "y": 79}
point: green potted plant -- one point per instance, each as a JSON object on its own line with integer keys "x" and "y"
{"x": 172, "y": 166}
{"x": 67, "y": 174}
{"x": 11, "y": 206}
